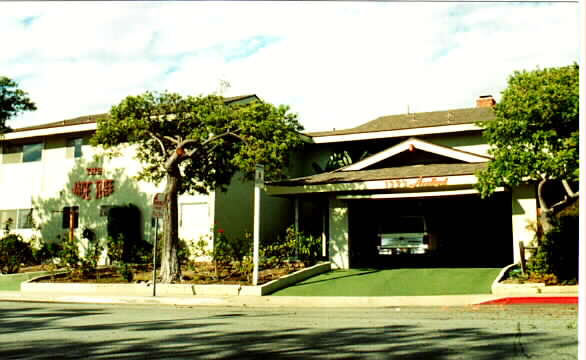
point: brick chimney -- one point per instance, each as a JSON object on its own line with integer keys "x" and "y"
{"x": 485, "y": 101}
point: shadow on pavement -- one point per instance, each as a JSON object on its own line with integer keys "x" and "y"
{"x": 203, "y": 337}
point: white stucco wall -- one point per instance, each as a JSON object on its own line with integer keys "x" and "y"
{"x": 338, "y": 242}
{"x": 470, "y": 142}
{"x": 524, "y": 208}
{"x": 47, "y": 185}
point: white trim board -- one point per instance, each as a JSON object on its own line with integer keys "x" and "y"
{"x": 68, "y": 129}
{"x": 324, "y": 139}
{"x": 414, "y": 143}
{"x": 415, "y": 195}
{"x": 390, "y": 184}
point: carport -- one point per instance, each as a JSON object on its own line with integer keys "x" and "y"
{"x": 466, "y": 230}
{"x": 415, "y": 178}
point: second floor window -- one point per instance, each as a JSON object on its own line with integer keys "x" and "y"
{"x": 32, "y": 152}
{"x": 74, "y": 149}
{"x": 17, "y": 153}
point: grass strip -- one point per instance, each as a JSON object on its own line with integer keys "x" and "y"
{"x": 12, "y": 282}
{"x": 396, "y": 282}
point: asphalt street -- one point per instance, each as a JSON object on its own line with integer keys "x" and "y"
{"x": 83, "y": 331}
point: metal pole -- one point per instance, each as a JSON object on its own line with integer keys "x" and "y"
{"x": 155, "y": 257}
{"x": 256, "y": 233}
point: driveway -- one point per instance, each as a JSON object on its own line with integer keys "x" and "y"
{"x": 396, "y": 282}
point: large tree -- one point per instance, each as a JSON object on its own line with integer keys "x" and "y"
{"x": 13, "y": 101}
{"x": 197, "y": 144}
{"x": 534, "y": 137}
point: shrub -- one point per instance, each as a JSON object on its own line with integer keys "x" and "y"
{"x": 14, "y": 251}
{"x": 125, "y": 270}
{"x": 295, "y": 244}
{"x": 47, "y": 252}
{"x": 69, "y": 254}
{"x": 557, "y": 253}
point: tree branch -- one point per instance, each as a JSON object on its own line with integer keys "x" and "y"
{"x": 216, "y": 137}
{"x": 173, "y": 140}
{"x": 163, "y": 149}
{"x": 571, "y": 193}
{"x": 542, "y": 203}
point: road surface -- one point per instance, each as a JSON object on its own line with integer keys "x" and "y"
{"x": 81, "y": 331}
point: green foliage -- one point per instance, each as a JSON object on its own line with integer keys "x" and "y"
{"x": 125, "y": 270}
{"x": 535, "y": 133}
{"x": 338, "y": 160}
{"x": 295, "y": 244}
{"x": 69, "y": 254}
{"x": 47, "y": 252}
{"x": 208, "y": 137}
{"x": 557, "y": 255}
{"x": 13, "y": 101}
{"x": 183, "y": 252}
{"x": 115, "y": 247}
{"x": 89, "y": 264}
{"x": 14, "y": 251}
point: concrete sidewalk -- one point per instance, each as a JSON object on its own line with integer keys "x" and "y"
{"x": 289, "y": 301}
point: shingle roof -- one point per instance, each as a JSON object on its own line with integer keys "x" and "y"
{"x": 93, "y": 118}
{"x": 417, "y": 120}
{"x": 402, "y": 172}
{"x": 87, "y": 119}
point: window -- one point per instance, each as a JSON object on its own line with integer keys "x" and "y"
{"x": 74, "y": 147}
{"x": 66, "y": 213}
{"x": 21, "y": 218}
{"x": 32, "y": 152}
{"x": 16, "y": 153}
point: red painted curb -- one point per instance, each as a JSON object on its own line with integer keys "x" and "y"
{"x": 533, "y": 300}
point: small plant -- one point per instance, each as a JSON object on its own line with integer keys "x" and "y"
{"x": 183, "y": 252}
{"x": 125, "y": 270}
{"x": 69, "y": 254}
{"x": 115, "y": 248}
{"x": 89, "y": 263}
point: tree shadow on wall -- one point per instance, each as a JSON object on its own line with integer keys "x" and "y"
{"x": 99, "y": 193}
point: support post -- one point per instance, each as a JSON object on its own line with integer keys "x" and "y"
{"x": 522, "y": 257}
{"x": 155, "y": 257}
{"x": 297, "y": 226}
{"x": 258, "y": 182}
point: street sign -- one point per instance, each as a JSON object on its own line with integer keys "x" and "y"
{"x": 159, "y": 205}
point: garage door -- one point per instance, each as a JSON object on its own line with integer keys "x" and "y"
{"x": 194, "y": 221}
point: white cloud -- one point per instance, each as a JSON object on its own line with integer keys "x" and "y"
{"x": 337, "y": 64}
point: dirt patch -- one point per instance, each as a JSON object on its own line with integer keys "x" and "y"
{"x": 198, "y": 273}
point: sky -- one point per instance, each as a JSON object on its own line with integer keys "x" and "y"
{"x": 336, "y": 64}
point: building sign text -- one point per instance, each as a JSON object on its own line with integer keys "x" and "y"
{"x": 416, "y": 183}
{"x": 83, "y": 189}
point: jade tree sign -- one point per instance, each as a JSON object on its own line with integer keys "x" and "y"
{"x": 83, "y": 189}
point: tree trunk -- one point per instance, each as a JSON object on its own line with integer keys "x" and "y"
{"x": 545, "y": 220}
{"x": 170, "y": 267}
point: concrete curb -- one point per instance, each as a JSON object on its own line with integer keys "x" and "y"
{"x": 517, "y": 290}
{"x": 257, "y": 301}
{"x": 35, "y": 288}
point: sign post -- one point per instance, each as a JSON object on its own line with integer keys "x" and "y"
{"x": 159, "y": 206}
{"x": 258, "y": 183}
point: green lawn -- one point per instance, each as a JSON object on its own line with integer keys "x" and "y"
{"x": 12, "y": 282}
{"x": 396, "y": 282}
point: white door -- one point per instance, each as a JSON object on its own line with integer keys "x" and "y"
{"x": 194, "y": 221}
